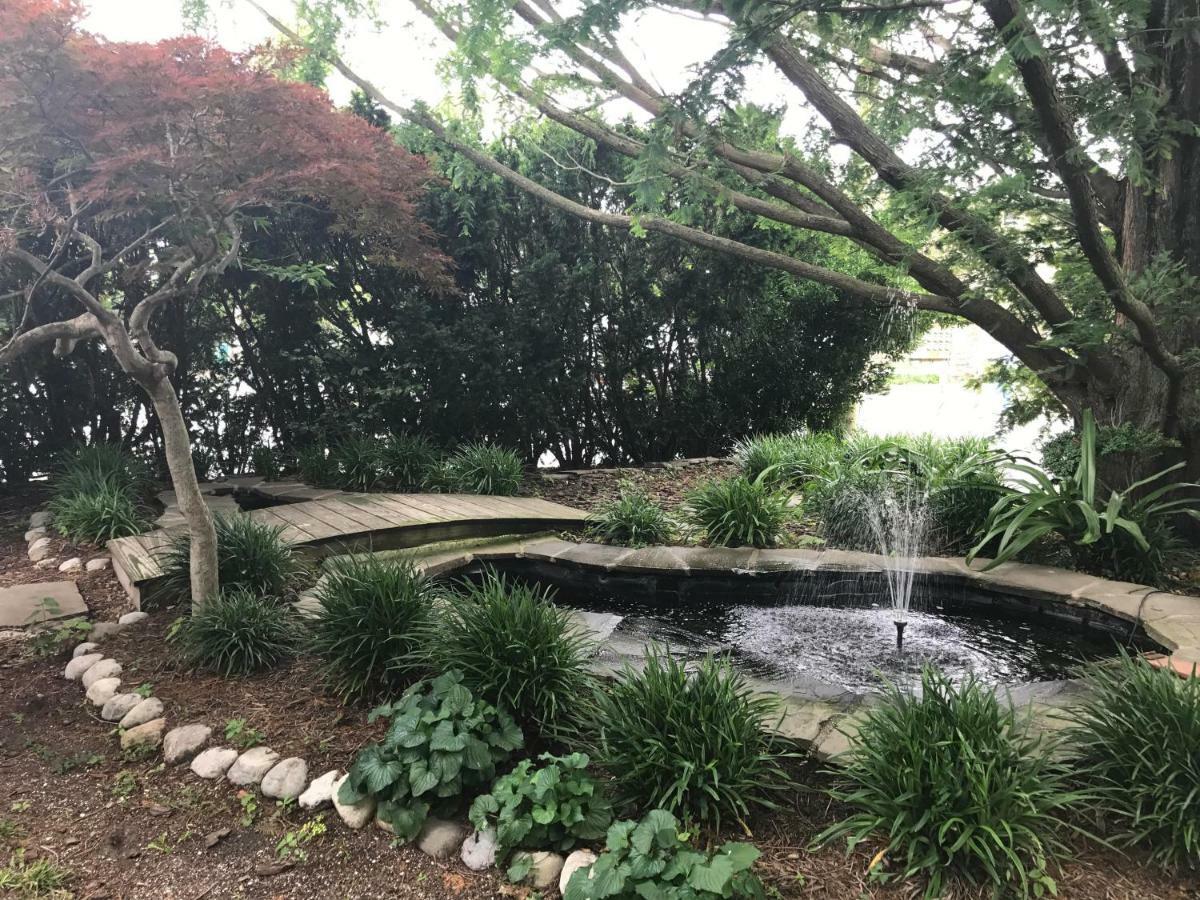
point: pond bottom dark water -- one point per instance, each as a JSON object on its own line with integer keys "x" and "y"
{"x": 853, "y": 648}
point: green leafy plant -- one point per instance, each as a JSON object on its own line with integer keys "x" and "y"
{"x": 292, "y": 847}
{"x": 738, "y": 512}
{"x": 98, "y": 514}
{"x": 952, "y": 784}
{"x": 1130, "y": 535}
{"x": 633, "y": 519}
{"x": 485, "y": 469}
{"x": 316, "y": 467}
{"x": 407, "y": 461}
{"x": 263, "y": 462}
{"x": 372, "y": 613}
{"x": 248, "y": 801}
{"x": 653, "y": 859}
{"x": 250, "y": 557}
{"x": 555, "y": 805}
{"x": 51, "y": 638}
{"x": 40, "y": 878}
{"x": 242, "y": 735}
{"x": 87, "y": 468}
{"x": 238, "y": 633}
{"x": 515, "y": 649}
{"x": 788, "y": 459}
{"x": 442, "y": 742}
{"x": 696, "y": 744}
{"x": 1136, "y": 733}
{"x": 359, "y": 463}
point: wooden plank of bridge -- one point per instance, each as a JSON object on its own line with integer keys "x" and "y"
{"x": 356, "y": 517}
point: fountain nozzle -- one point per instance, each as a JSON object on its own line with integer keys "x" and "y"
{"x": 899, "y": 635}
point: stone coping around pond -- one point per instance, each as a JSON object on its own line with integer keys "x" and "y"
{"x": 1172, "y": 620}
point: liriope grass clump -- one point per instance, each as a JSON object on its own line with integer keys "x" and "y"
{"x": 697, "y": 743}
{"x": 633, "y": 519}
{"x": 98, "y": 514}
{"x": 1137, "y": 735}
{"x": 88, "y": 467}
{"x": 238, "y": 633}
{"x": 372, "y": 612}
{"x": 516, "y": 650}
{"x": 407, "y": 461}
{"x": 359, "y": 463}
{"x": 739, "y": 512}
{"x": 250, "y": 555}
{"x": 483, "y": 469}
{"x": 951, "y": 785}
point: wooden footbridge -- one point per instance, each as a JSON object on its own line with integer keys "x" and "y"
{"x": 330, "y": 522}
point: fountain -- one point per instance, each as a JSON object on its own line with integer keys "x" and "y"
{"x": 899, "y": 522}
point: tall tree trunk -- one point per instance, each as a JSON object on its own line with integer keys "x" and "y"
{"x": 204, "y": 578}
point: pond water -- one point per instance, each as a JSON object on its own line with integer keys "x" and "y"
{"x": 809, "y": 642}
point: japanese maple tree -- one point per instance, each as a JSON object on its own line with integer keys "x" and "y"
{"x": 128, "y": 174}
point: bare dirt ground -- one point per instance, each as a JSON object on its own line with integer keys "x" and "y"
{"x": 131, "y": 828}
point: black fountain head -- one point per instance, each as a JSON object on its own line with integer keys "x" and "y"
{"x": 899, "y": 635}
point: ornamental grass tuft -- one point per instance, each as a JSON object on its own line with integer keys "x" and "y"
{"x": 1137, "y": 735}
{"x": 238, "y": 633}
{"x": 951, "y": 785}
{"x": 633, "y": 519}
{"x": 484, "y": 469}
{"x": 695, "y": 743}
{"x": 250, "y": 555}
{"x": 738, "y": 512}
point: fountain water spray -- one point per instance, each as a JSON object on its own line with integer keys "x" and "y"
{"x": 899, "y": 522}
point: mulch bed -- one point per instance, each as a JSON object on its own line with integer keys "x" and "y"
{"x": 128, "y": 828}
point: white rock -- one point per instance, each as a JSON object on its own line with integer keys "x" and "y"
{"x": 106, "y": 668}
{"x": 214, "y": 762}
{"x": 148, "y": 709}
{"x": 39, "y": 549}
{"x": 252, "y": 765}
{"x": 286, "y": 780}
{"x": 578, "y": 859}
{"x": 85, "y": 647}
{"x": 320, "y": 792}
{"x": 50, "y": 562}
{"x": 119, "y": 706}
{"x": 440, "y": 839}
{"x": 544, "y": 869}
{"x": 147, "y": 734}
{"x": 34, "y": 533}
{"x": 479, "y": 850}
{"x": 184, "y": 742}
{"x": 99, "y": 564}
{"x": 132, "y": 618}
{"x": 40, "y": 519}
{"x": 103, "y": 690}
{"x": 73, "y": 564}
{"x": 355, "y": 815}
{"x": 80, "y": 664}
{"x": 102, "y": 630}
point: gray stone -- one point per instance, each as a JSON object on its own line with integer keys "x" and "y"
{"x": 214, "y": 762}
{"x": 132, "y": 618}
{"x": 103, "y": 690}
{"x": 803, "y": 721}
{"x": 106, "y": 668}
{"x": 355, "y": 815}
{"x": 34, "y": 533}
{"x": 184, "y": 742}
{"x": 252, "y": 765}
{"x": 79, "y": 665}
{"x": 286, "y": 780}
{"x": 320, "y": 792}
{"x": 579, "y": 859}
{"x": 22, "y": 605}
{"x": 544, "y": 869}
{"x": 85, "y": 647}
{"x": 479, "y": 850}
{"x": 836, "y": 740}
{"x": 40, "y": 519}
{"x": 74, "y": 564}
{"x": 440, "y": 839}
{"x": 40, "y": 549}
{"x": 148, "y": 709}
{"x": 50, "y": 562}
{"x": 99, "y": 564}
{"x": 148, "y": 734}
{"x": 119, "y": 706}
{"x": 595, "y": 626}
{"x": 102, "y": 630}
